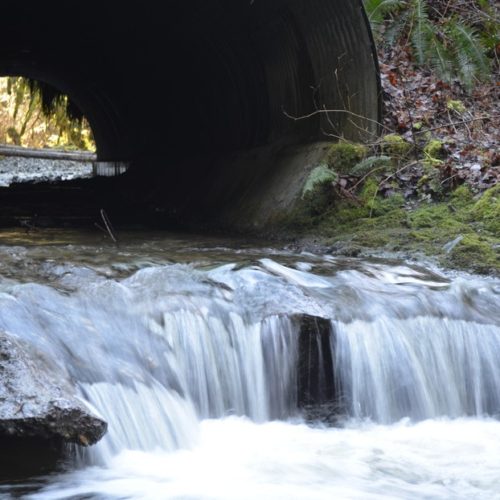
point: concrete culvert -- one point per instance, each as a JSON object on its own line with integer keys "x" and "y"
{"x": 201, "y": 95}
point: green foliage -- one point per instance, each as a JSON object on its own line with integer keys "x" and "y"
{"x": 317, "y": 195}
{"x": 371, "y": 220}
{"x": 450, "y": 46}
{"x": 468, "y": 54}
{"x": 318, "y": 177}
{"x": 371, "y": 163}
{"x": 461, "y": 197}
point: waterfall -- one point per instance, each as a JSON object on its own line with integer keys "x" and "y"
{"x": 422, "y": 367}
{"x": 221, "y": 367}
{"x": 209, "y": 376}
{"x": 157, "y": 352}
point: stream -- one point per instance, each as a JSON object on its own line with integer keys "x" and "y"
{"x": 187, "y": 348}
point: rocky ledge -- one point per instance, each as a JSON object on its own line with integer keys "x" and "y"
{"x": 37, "y": 403}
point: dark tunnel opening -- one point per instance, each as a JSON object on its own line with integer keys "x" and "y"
{"x": 195, "y": 94}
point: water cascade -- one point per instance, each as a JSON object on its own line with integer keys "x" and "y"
{"x": 201, "y": 362}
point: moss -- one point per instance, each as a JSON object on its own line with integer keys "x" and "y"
{"x": 486, "y": 211}
{"x": 376, "y": 204}
{"x": 394, "y": 145}
{"x": 349, "y": 214}
{"x": 456, "y": 106}
{"x": 369, "y": 191}
{"x": 461, "y": 197}
{"x": 434, "y": 152}
{"x": 374, "y": 222}
{"x": 343, "y": 156}
{"x": 475, "y": 253}
{"x": 430, "y": 182}
{"x": 436, "y": 216}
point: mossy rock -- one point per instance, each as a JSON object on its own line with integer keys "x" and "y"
{"x": 344, "y": 156}
{"x": 486, "y": 211}
{"x": 476, "y": 254}
{"x": 395, "y": 146}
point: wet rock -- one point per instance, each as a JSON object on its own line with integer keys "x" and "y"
{"x": 37, "y": 403}
{"x": 330, "y": 414}
{"x": 316, "y": 384}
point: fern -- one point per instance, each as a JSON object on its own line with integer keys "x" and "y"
{"x": 422, "y": 33}
{"x": 453, "y": 49}
{"x": 377, "y": 10}
{"x": 370, "y": 163}
{"x": 319, "y": 176}
{"x": 398, "y": 26}
{"x": 468, "y": 56}
{"x": 440, "y": 59}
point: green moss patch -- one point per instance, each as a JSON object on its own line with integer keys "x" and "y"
{"x": 434, "y": 153}
{"x": 475, "y": 253}
{"x": 344, "y": 156}
{"x": 460, "y": 232}
{"x": 395, "y": 146}
{"x": 487, "y": 211}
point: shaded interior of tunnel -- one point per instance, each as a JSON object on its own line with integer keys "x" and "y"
{"x": 196, "y": 95}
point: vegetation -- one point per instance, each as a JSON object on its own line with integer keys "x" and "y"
{"x": 452, "y": 39}
{"x": 431, "y": 184}
{"x": 459, "y": 230}
{"x": 33, "y": 114}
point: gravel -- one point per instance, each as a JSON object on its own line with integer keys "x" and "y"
{"x": 16, "y": 169}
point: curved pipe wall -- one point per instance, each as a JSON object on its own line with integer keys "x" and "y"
{"x": 198, "y": 94}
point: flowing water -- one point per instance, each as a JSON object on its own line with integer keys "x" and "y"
{"x": 189, "y": 350}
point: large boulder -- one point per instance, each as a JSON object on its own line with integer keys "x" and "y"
{"x": 37, "y": 402}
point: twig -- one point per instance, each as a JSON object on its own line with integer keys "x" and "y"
{"x": 461, "y": 122}
{"x": 372, "y": 171}
{"x": 107, "y": 223}
{"x": 327, "y": 111}
{"x": 410, "y": 116}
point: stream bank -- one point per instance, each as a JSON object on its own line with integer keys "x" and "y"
{"x": 459, "y": 232}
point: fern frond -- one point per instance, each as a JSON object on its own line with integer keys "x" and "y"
{"x": 440, "y": 59}
{"x": 369, "y": 163}
{"x": 377, "y": 10}
{"x": 470, "y": 60}
{"x": 421, "y": 31}
{"x": 398, "y": 26}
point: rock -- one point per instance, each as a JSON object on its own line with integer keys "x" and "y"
{"x": 37, "y": 403}
{"x": 316, "y": 384}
